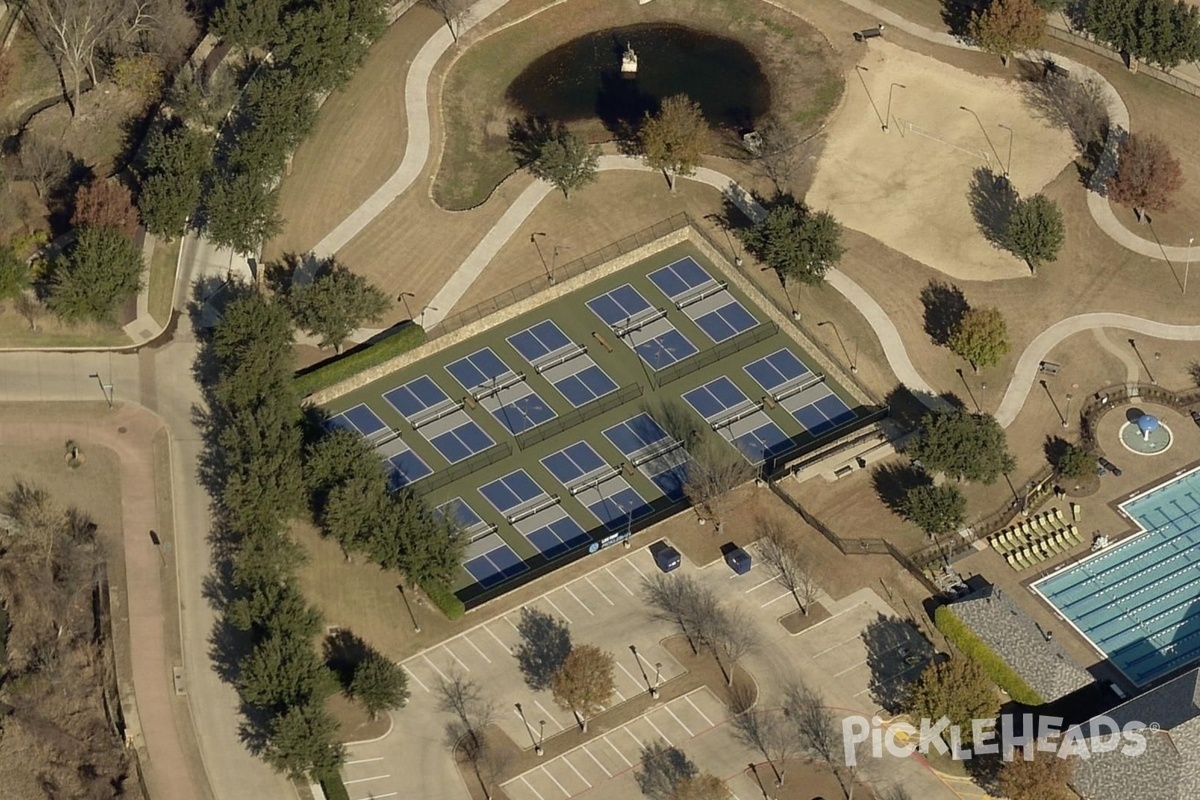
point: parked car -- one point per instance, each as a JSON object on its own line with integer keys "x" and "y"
{"x": 667, "y": 558}
{"x": 738, "y": 561}
{"x": 1196, "y": 418}
{"x": 1111, "y": 467}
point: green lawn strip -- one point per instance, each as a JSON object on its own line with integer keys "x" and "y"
{"x": 163, "y": 264}
{"x": 355, "y": 361}
{"x": 974, "y": 648}
{"x": 332, "y": 786}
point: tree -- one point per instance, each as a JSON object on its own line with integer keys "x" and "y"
{"x": 1006, "y": 26}
{"x": 544, "y": 648}
{"x": 101, "y": 271}
{"x": 663, "y": 768}
{"x": 981, "y": 337}
{"x": 783, "y": 553}
{"x": 1044, "y": 776}
{"x": 335, "y": 304}
{"x": 715, "y": 471}
{"x": 679, "y": 599}
{"x": 818, "y": 731}
{"x": 1035, "y": 231}
{"x": 565, "y": 160}
{"x": 1147, "y": 175}
{"x": 937, "y": 510}
{"x": 454, "y": 12}
{"x": 704, "y": 786}
{"x": 799, "y": 244}
{"x": 1115, "y": 22}
{"x": 30, "y": 309}
{"x": 323, "y": 43}
{"x": 72, "y": 32}
{"x": 42, "y": 162}
{"x": 105, "y": 203}
{"x": 274, "y": 609}
{"x": 249, "y": 23}
{"x": 731, "y": 635}
{"x": 1076, "y": 462}
{"x": 302, "y": 741}
{"x": 283, "y": 671}
{"x": 379, "y": 684}
{"x": 240, "y": 212}
{"x": 14, "y": 274}
{"x": 957, "y": 689}
{"x": 674, "y": 139}
{"x": 780, "y": 152}
{"x": 773, "y": 735}
{"x": 473, "y": 710}
{"x": 172, "y": 179}
{"x": 584, "y": 683}
{"x": 963, "y": 446}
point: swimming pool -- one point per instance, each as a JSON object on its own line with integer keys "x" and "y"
{"x": 1138, "y": 602}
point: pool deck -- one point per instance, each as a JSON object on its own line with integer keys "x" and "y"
{"x": 1101, "y": 514}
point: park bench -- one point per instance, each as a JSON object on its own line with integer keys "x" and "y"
{"x": 869, "y": 33}
{"x": 1053, "y": 70}
{"x": 1049, "y": 367}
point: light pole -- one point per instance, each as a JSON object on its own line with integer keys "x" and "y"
{"x": 541, "y": 736}
{"x": 1008, "y": 168}
{"x": 537, "y": 748}
{"x": 105, "y": 388}
{"x": 1067, "y": 415}
{"x": 979, "y": 122}
{"x": 533, "y": 239}
{"x": 657, "y": 675}
{"x": 860, "y": 69}
{"x": 888, "y": 117}
{"x": 653, "y": 689}
{"x": 853, "y": 363}
{"x": 1188, "y": 268}
{"x": 423, "y": 310}
{"x": 403, "y": 298}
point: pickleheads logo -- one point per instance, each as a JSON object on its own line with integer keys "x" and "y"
{"x": 991, "y": 737}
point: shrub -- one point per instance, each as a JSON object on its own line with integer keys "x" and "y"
{"x": 332, "y": 786}
{"x": 443, "y": 598}
{"x": 355, "y": 361}
{"x": 974, "y": 648}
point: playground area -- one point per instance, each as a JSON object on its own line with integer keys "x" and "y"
{"x": 911, "y": 187}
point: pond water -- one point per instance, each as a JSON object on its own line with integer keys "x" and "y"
{"x": 582, "y": 79}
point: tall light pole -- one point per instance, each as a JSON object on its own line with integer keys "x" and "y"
{"x": 1188, "y": 268}
{"x": 533, "y": 239}
{"x": 541, "y": 736}
{"x": 403, "y": 298}
{"x": 1067, "y": 416}
{"x": 979, "y": 122}
{"x": 423, "y": 310}
{"x": 888, "y": 117}
{"x": 1008, "y": 167}
{"x": 845, "y": 352}
{"x": 105, "y": 388}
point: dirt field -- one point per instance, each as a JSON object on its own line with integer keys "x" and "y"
{"x": 909, "y": 187}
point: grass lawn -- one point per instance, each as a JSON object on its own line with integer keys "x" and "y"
{"x": 34, "y": 77}
{"x": 798, "y": 62}
{"x": 163, "y": 265}
{"x": 15, "y": 332}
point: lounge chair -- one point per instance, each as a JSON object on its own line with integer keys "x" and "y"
{"x": 1020, "y": 558}
{"x": 1053, "y": 545}
{"x": 1058, "y": 515}
{"x": 1014, "y": 538}
{"x": 1012, "y": 561}
{"x": 1076, "y": 512}
{"x": 1063, "y": 542}
{"x": 1043, "y": 523}
{"x": 1027, "y": 529}
{"x": 994, "y": 541}
{"x": 1073, "y": 532}
{"x": 1034, "y": 554}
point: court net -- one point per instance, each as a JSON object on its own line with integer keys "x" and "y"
{"x": 434, "y": 414}
{"x": 551, "y": 363}
{"x": 624, "y": 330}
{"x": 703, "y": 294}
{"x": 498, "y": 386}
{"x": 608, "y": 474}
{"x": 801, "y": 385}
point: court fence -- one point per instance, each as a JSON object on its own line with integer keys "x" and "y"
{"x": 579, "y": 416}
{"x": 445, "y": 477}
{"x": 571, "y": 269}
{"x": 1103, "y": 50}
{"x": 711, "y": 356}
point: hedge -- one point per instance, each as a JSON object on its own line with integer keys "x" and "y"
{"x": 355, "y": 361}
{"x": 974, "y": 648}
{"x": 332, "y": 786}
{"x": 446, "y": 600}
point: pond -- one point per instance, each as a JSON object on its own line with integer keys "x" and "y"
{"x": 582, "y": 79}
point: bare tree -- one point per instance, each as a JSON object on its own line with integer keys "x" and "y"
{"x": 780, "y": 153}
{"x": 716, "y": 470}
{"x": 731, "y": 636}
{"x": 783, "y": 553}
{"x": 42, "y": 162}
{"x": 454, "y": 12}
{"x": 39, "y": 520}
{"x": 474, "y": 710}
{"x": 676, "y": 598}
{"x": 772, "y": 734}
{"x": 663, "y": 767}
{"x": 820, "y": 736}
{"x": 73, "y": 32}
{"x": 30, "y": 309}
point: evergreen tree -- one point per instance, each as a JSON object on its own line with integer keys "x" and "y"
{"x": 379, "y": 684}
{"x": 171, "y": 179}
{"x": 674, "y": 139}
{"x": 335, "y": 304}
{"x": 963, "y": 446}
{"x": 302, "y": 742}
{"x": 565, "y": 160}
{"x": 937, "y": 510}
{"x": 284, "y": 671}
{"x": 957, "y": 689}
{"x": 1035, "y": 231}
{"x": 101, "y": 271}
{"x": 800, "y": 245}
{"x": 241, "y": 212}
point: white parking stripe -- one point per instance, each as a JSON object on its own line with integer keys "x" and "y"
{"x": 777, "y": 599}
{"x": 836, "y": 646}
{"x": 364, "y": 780}
{"x": 759, "y": 585}
{"x": 677, "y": 719}
{"x": 549, "y": 716}
{"x": 619, "y": 694}
{"x": 586, "y": 782}
{"x": 628, "y": 763}
{"x": 698, "y": 711}
{"x": 636, "y": 569}
{"x": 510, "y": 622}
{"x": 603, "y": 768}
{"x": 413, "y": 675}
{"x": 535, "y": 791}
{"x": 629, "y": 733}
{"x": 556, "y": 783}
{"x": 373, "y": 796}
{"x": 456, "y": 658}
{"x": 363, "y": 761}
{"x": 435, "y": 669}
{"x": 618, "y": 580}
{"x": 847, "y": 669}
{"x": 499, "y": 641}
{"x": 477, "y": 650}
{"x": 559, "y": 610}
{"x": 577, "y": 600}
{"x": 597, "y": 588}
{"x": 659, "y": 732}
{"x": 632, "y": 677}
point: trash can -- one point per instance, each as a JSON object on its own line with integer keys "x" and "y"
{"x": 738, "y": 561}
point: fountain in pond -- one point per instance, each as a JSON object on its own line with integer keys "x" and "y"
{"x": 1146, "y": 436}
{"x": 629, "y": 61}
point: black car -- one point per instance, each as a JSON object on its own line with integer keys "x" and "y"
{"x": 1111, "y": 467}
{"x": 667, "y": 558}
{"x": 1196, "y": 418}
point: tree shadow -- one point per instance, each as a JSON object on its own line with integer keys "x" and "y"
{"x": 621, "y": 105}
{"x": 527, "y": 136}
{"x": 893, "y": 481}
{"x": 992, "y": 200}
{"x": 897, "y": 653}
{"x": 905, "y": 407}
{"x": 956, "y": 14}
{"x": 545, "y": 645}
{"x": 945, "y": 306}
{"x": 1194, "y": 372}
{"x": 1054, "y": 448}
{"x": 344, "y": 651}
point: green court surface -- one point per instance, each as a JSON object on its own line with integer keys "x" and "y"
{"x": 539, "y": 435}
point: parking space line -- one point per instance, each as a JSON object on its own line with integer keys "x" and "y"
{"x": 456, "y": 658}
{"x": 659, "y": 732}
{"x": 535, "y": 791}
{"x": 499, "y": 641}
{"x": 677, "y": 719}
{"x": 363, "y": 761}
{"x": 413, "y": 675}
{"x": 435, "y": 669}
{"x": 629, "y": 733}
{"x": 855, "y": 665}
{"x": 618, "y": 693}
{"x": 373, "y": 796}
{"x": 776, "y": 600}
{"x": 637, "y": 569}
{"x": 597, "y": 588}
{"x": 759, "y": 585}
{"x": 698, "y": 711}
{"x": 556, "y": 783}
{"x": 628, "y": 763}
{"x": 549, "y": 716}
{"x": 836, "y": 646}
{"x": 618, "y": 580}
{"x": 586, "y": 782}
{"x": 832, "y": 617}
{"x": 477, "y": 650}
{"x": 510, "y": 622}
{"x": 364, "y": 780}
{"x": 603, "y": 768}
{"x": 632, "y": 677}
{"x": 577, "y": 600}
{"x": 559, "y": 610}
